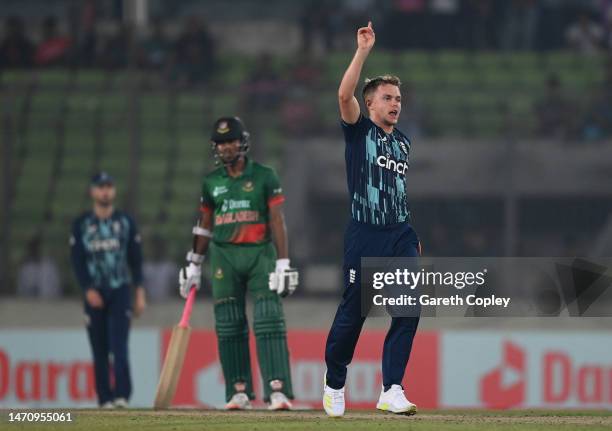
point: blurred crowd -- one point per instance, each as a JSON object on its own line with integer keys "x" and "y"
{"x": 189, "y": 57}
{"x": 584, "y": 26}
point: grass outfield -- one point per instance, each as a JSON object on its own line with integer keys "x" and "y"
{"x": 186, "y": 420}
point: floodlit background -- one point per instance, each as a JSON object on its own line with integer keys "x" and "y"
{"x": 509, "y": 107}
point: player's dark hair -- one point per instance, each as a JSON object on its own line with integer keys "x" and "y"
{"x": 372, "y": 84}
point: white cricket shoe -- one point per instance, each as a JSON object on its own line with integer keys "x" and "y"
{"x": 333, "y": 401}
{"x": 107, "y": 405}
{"x": 121, "y": 403}
{"x": 395, "y": 401}
{"x": 279, "y": 401}
{"x": 240, "y": 401}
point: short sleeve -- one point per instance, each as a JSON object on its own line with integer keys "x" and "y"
{"x": 274, "y": 191}
{"x": 207, "y": 204}
{"x": 352, "y": 132}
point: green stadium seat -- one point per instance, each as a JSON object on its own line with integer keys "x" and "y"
{"x": 562, "y": 60}
{"x": 54, "y": 77}
{"x": 155, "y": 143}
{"x": 487, "y": 60}
{"x": 235, "y": 70}
{"x": 16, "y": 78}
{"x": 453, "y": 60}
{"x": 154, "y": 109}
{"x": 92, "y": 80}
{"x": 333, "y": 68}
{"x": 413, "y": 59}
{"x": 115, "y": 102}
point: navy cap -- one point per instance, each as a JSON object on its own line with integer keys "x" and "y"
{"x": 102, "y": 178}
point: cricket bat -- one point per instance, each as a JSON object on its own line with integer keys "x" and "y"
{"x": 175, "y": 355}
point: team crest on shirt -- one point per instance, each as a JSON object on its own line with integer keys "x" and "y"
{"x": 405, "y": 147}
{"x": 219, "y": 274}
{"x": 248, "y": 186}
{"x": 116, "y": 227}
{"x": 92, "y": 229}
{"x": 222, "y": 127}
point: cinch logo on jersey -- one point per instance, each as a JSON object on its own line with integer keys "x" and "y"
{"x": 110, "y": 244}
{"x": 393, "y": 165}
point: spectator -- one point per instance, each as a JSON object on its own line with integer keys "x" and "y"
{"x": 443, "y": 28}
{"x": 38, "y": 276}
{"x": 404, "y": 25}
{"x": 159, "y": 273}
{"x": 195, "y": 54}
{"x": 598, "y": 119}
{"x": 85, "y": 16}
{"x": 16, "y": 50}
{"x": 116, "y": 52}
{"x": 316, "y": 26}
{"x": 520, "y": 25}
{"x": 585, "y": 36}
{"x": 53, "y": 50}
{"x": 478, "y": 24}
{"x": 263, "y": 87}
{"x": 153, "y": 53}
{"x": 606, "y": 13}
{"x": 554, "y": 112}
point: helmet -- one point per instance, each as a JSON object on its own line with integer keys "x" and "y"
{"x": 228, "y": 129}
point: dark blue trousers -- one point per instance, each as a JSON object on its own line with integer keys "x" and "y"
{"x": 364, "y": 240}
{"x": 108, "y": 330}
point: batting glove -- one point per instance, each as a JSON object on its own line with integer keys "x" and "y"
{"x": 284, "y": 280}
{"x": 191, "y": 275}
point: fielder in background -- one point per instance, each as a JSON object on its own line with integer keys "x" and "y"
{"x": 376, "y": 156}
{"x": 241, "y": 214}
{"x": 107, "y": 260}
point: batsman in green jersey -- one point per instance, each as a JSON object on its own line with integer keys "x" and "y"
{"x": 243, "y": 227}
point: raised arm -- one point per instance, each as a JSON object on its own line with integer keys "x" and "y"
{"x": 349, "y": 106}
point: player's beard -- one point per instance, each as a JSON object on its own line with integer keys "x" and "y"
{"x": 104, "y": 202}
{"x": 230, "y": 160}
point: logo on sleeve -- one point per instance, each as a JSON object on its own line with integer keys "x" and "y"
{"x": 219, "y": 190}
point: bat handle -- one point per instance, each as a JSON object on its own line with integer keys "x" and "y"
{"x": 184, "y": 323}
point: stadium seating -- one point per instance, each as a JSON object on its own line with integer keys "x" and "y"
{"x": 69, "y": 123}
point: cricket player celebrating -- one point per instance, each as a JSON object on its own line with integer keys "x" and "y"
{"x": 376, "y": 163}
{"x": 107, "y": 258}
{"x": 241, "y": 213}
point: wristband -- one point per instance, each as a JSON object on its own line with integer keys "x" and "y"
{"x": 195, "y": 258}
{"x": 200, "y": 231}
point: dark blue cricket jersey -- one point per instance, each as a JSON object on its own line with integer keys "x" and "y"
{"x": 106, "y": 253}
{"x": 376, "y": 166}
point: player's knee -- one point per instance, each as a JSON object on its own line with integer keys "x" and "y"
{"x": 268, "y": 315}
{"x": 230, "y": 318}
